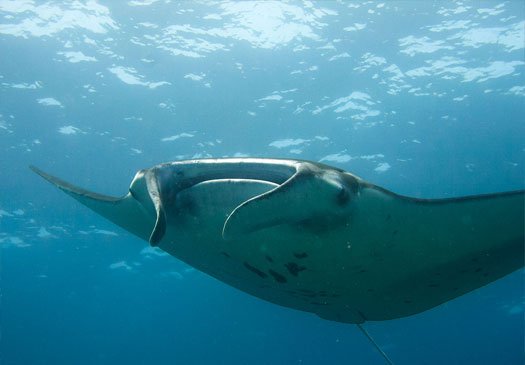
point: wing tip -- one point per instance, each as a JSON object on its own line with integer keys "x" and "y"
{"x": 70, "y": 188}
{"x": 37, "y": 171}
{"x": 52, "y": 179}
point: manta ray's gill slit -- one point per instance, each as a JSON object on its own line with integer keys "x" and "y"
{"x": 320, "y": 303}
{"x": 308, "y": 294}
{"x": 291, "y": 292}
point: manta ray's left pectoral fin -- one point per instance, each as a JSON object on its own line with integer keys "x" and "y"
{"x": 126, "y": 211}
{"x": 306, "y": 197}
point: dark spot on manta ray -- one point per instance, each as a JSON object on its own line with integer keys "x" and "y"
{"x": 255, "y": 270}
{"x": 269, "y": 258}
{"x": 225, "y": 254}
{"x": 319, "y": 303}
{"x": 485, "y": 274}
{"x": 433, "y": 285}
{"x": 306, "y": 290}
{"x": 478, "y": 269}
{"x": 475, "y": 259}
{"x": 278, "y": 277}
{"x": 294, "y": 269}
{"x": 407, "y": 301}
{"x": 395, "y": 232}
{"x": 370, "y": 290}
{"x": 300, "y": 255}
{"x": 388, "y": 217}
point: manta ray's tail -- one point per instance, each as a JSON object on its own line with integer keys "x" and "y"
{"x": 385, "y": 356}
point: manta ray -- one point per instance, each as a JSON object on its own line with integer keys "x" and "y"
{"x": 315, "y": 238}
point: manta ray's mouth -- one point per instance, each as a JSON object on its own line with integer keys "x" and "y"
{"x": 164, "y": 182}
{"x": 186, "y": 173}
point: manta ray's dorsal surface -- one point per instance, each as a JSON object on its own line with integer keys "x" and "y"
{"x": 315, "y": 238}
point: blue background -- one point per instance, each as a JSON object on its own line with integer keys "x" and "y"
{"x": 423, "y": 98}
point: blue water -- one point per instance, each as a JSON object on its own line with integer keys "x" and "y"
{"x": 423, "y": 98}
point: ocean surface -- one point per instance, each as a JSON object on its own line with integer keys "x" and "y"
{"x": 424, "y": 98}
